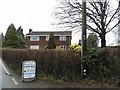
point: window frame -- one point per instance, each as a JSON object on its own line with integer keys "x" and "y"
{"x": 62, "y": 38}
{"x": 31, "y": 46}
{"x": 32, "y": 38}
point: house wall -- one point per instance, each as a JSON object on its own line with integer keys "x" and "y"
{"x": 42, "y": 41}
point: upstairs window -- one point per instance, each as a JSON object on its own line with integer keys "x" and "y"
{"x": 62, "y": 38}
{"x": 34, "y": 38}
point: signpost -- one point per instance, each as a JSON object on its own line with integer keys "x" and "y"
{"x": 28, "y": 70}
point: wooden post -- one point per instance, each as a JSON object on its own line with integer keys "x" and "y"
{"x": 84, "y": 40}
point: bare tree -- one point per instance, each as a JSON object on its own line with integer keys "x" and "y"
{"x": 101, "y": 16}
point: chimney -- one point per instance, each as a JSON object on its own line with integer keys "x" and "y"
{"x": 30, "y": 30}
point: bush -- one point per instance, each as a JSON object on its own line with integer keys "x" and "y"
{"x": 103, "y": 64}
{"x": 75, "y": 47}
{"x": 95, "y": 66}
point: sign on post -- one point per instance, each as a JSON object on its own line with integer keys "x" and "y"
{"x": 28, "y": 70}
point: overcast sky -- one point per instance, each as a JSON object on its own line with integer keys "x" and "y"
{"x": 34, "y": 14}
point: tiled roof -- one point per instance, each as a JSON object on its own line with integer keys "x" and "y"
{"x": 57, "y": 33}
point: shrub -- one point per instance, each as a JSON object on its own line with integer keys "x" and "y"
{"x": 94, "y": 66}
{"x": 59, "y": 48}
{"x": 102, "y": 64}
{"x": 75, "y": 47}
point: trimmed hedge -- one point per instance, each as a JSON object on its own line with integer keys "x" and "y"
{"x": 63, "y": 63}
{"x": 101, "y": 64}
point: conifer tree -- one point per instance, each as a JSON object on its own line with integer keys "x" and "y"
{"x": 1, "y": 39}
{"x": 92, "y": 40}
{"x": 11, "y": 39}
{"x": 21, "y": 38}
{"x": 51, "y": 42}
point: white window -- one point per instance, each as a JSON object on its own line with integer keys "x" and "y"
{"x": 47, "y": 38}
{"x": 34, "y": 46}
{"x": 34, "y": 38}
{"x": 63, "y": 46}
{"x": 62, "y": 38}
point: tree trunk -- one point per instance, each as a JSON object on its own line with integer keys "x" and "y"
{"x": 103, "y": 40}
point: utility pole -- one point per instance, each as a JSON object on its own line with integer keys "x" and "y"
{"x": 119, "y": 24}
{"x": 84, "y": 40}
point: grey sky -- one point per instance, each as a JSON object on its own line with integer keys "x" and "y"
{"x": 34, "y": 14}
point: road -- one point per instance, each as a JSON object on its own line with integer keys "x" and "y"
{"x": 7, "y": 79}
{"x": 10, "y": 80}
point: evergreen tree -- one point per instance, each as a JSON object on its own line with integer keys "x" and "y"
{"x": 92, "y": 40}
{"x": 21, "y": 38}
{"x": 20, "y": 31}
{"x": 51, "y": 42}
{"x": 1, "y": 39}
{"x": 11, "y": 38}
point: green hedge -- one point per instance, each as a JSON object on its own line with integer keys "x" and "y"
{"x": 63, "y": 63}
{"x": 101, "y": 64}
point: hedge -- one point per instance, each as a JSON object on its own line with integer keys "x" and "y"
{"x": 63, "y": 63}
{"x": 101, "y": 64}
{"x": 104, "y": 63}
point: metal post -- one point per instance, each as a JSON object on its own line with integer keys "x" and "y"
{"x": 84, "y": 41}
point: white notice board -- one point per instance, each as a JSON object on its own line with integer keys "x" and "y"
{"x": 29, "y": 69}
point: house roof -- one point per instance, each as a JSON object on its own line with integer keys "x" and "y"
{"x": 47, "y": 33}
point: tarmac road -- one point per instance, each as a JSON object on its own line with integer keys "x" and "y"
{"x": 10, "y": 80}
{"x": 7, "y": 80}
